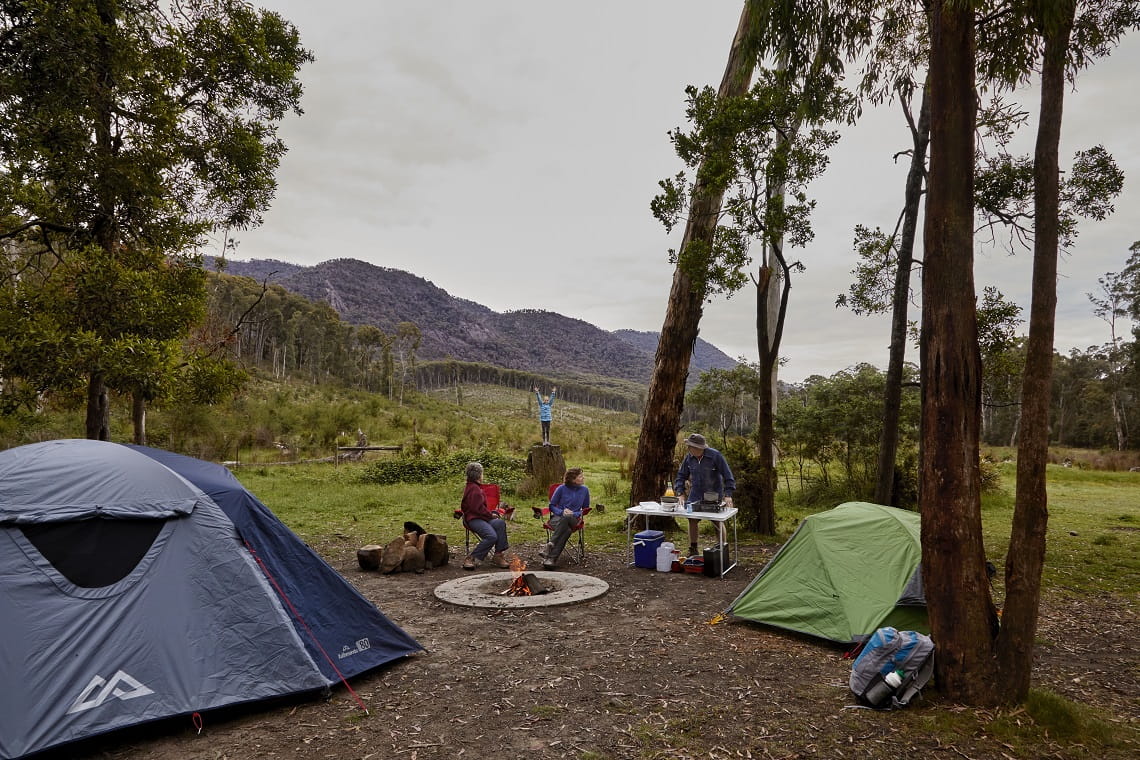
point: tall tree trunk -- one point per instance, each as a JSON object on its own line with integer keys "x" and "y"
{"x": 661, "y": 419}
{"x": 892, "y": 392}
{"x": 1026, "y": 556}
{"x": 962, "y": 615}
{"x": 769, "y": 329}
{"x": 98, "y": 421}
{"x": 138, "y": 418}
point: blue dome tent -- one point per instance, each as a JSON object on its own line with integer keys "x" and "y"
{"x": 136, "y": 585}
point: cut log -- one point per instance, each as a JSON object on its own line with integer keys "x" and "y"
{"x": 413, "y": 561}
{"x": 392, "y": 556}
{"x": 436, "y": 553}
{"x": 369, "y": 556}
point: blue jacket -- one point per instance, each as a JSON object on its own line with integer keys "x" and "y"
{"x": 544, "y": 408}
{"x": 709, "y": 473}
{"x": 574, "y": 498}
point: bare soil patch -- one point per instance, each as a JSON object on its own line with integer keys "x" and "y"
{"x": 636, "y": 673}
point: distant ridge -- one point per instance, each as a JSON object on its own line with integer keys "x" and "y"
{"x": 455, "y": 328}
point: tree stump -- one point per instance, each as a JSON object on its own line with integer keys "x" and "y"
{"x": 545, "y": 465}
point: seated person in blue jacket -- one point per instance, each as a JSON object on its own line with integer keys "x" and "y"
{"x": 707, "y": 471}
{"x": 566, "y": 505}
{"x": 486, "y": 523}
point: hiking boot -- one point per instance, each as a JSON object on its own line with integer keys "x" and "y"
{"x": 501, "y": 560}
{"x": 548, "y": 566}
{"x": 470, "y": 563}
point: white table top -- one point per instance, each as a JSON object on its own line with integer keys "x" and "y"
{"x": 654, "y": 509}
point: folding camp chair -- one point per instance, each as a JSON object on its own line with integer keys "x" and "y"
{"x": 493, "y": 494}
{"x": 577, "y": 548}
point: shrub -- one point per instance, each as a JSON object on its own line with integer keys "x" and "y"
{"x": 990, "y": 475}
{"x": 497, "y": 468}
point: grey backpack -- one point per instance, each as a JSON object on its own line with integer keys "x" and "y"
{"x": 892, "y": 668}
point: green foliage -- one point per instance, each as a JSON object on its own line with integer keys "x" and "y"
{"x": 1003, "y": 193}
{"x": 126, "y": 134}
{"x": 497, "y": 468}
{"x": 721, "y": 399}
{"x": 746, "y": 467}
{"x": 756, "y": 150}
{"x": 990, "y": 475}
{"x": 828, "y": 430}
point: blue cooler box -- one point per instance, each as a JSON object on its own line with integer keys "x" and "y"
{"x": 645, "y": 546}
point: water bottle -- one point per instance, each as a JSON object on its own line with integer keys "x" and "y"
{"x": 893, "y": 679}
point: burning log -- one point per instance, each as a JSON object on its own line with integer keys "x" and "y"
{"x": 527, "y": 584}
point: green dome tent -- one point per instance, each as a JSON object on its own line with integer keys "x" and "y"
{"x": 842, "y": 575}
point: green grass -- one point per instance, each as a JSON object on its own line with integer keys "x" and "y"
{"x": 323, "y": 504}
{"x": 1093, "y": 538}
{"x": 1093, "y": 546}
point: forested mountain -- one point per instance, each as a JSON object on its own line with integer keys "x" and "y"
{"x": 454, "y": 328}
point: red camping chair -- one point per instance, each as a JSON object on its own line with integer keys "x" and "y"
{"x": 577, "y": 548}
{"x": 493, "y": 494}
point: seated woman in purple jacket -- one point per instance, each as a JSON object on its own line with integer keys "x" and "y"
{"x": 566, "y": 505}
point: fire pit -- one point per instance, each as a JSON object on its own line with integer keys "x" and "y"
{"x": 493, "y": 590}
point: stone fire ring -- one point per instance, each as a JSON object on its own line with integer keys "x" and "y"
{"x": 486, "y": 590}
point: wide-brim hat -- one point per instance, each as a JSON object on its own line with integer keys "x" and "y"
{"x": 696, "y": 440}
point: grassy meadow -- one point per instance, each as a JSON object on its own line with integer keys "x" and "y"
{"x": 1093, "y": 535}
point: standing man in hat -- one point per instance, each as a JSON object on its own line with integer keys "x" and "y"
{"x": 707, "y": 471}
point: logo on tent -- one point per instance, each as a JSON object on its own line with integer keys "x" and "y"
{"x": 361, "y": 645}
{"x": 121, "y": 686}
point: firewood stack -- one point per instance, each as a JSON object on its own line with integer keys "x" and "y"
{"x": 415, "y": 551}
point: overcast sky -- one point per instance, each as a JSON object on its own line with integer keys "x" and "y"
{"x": 507, "y": 151}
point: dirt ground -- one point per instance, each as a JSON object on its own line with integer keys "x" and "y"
{"x": 636, "y": 673}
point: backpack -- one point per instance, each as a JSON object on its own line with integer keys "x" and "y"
{"x": 892, "y": 668}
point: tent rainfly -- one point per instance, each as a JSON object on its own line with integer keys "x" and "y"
{"x": 842, "y": 575}
{"x": 136, "y": 585}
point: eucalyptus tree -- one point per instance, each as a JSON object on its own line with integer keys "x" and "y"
{"x": 1110, "y": 304}
{"x": 1063, "y": 37}
{"x": 963, "y": 618}
{"x": 761, "y": 148}
{"x": 721, "y": 398}
{"x": 982, "y": 662}
{"x": 128, "y": 130}
{"x": 653, "y": 464}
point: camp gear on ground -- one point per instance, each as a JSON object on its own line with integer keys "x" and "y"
{"x": 645, "y": 546}
{"x": 892, "y": 668}
{"x": 716, "y": 559}
{"x": 842, "y": 575}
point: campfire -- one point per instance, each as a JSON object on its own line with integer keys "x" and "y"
{"x": 524, "y": 583}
